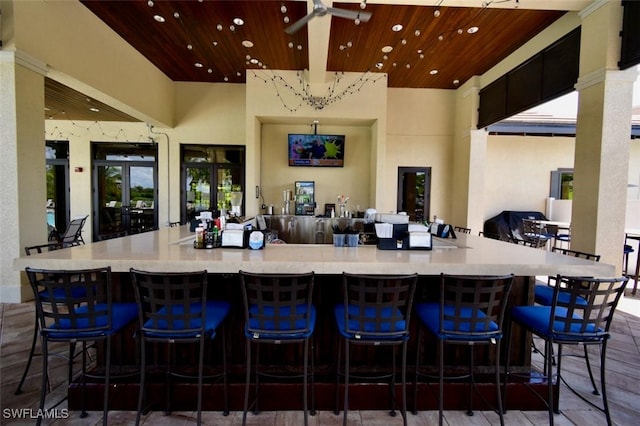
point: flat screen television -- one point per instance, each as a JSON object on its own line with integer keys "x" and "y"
{"x": 316, "y": 150}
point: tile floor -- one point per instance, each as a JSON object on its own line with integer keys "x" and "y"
{"x": 623, "y": 375}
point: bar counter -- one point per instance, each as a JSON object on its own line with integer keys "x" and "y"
{"x": 171, "y": 249}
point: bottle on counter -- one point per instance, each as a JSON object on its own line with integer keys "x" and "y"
{"x": 199, "y": 237}
{"x": 208, "y": 237}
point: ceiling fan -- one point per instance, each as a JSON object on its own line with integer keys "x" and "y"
{"x": 319, "y": 9}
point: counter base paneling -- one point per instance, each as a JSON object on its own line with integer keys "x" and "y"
{"x": 282, "y": 358}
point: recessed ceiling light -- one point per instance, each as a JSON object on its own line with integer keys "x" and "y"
{"x": 238, "y": 21}
{"x": 387, "y": 49}
{"x": 150, "y": 3}
{"x": 158, "y": 18}
{"x": 253, "y": 61}
{"x": 379, "y": 65}
{"x": 176, "y": 15}
{"x": 210, "y": 71}
{"x": 283, "y": 9}
{"x": 215, "y": 43}
{"x": 247, "y": 43}
{"x": 472, "y": 30}
{"x": 219, "y": 27}
{"x": 286, "y": 19}
{"x": 436, "y": 13}
{"x": 433, "y": 72}
{"x": 456, "y": 82}
{"x": 198, "y": 65}
{"x": 397, "y": 27}
{"x": 417, "y": 33}
{"x": 94, "y": 109}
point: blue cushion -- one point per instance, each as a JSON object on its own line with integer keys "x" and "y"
{"x": 121, "y": 315}
{"x": 215, "y": 313}
{"x": 60, "y": 294}
{"x": 429, "y": 314}
{"x": 537, "y": 319}
{"x": 282, "y": 330}
{"x": 369, "y": 327}
{"x": 543, "y": 295}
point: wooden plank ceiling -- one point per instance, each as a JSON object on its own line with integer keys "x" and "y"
{"x": 436, "y": 47}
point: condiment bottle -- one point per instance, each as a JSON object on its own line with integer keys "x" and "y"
{"x": 199, "y": 237}
{"x": 208, "y": 237}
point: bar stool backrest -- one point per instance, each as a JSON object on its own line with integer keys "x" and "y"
{"x": 72, "y": 300}
{"x": 278, "y": 303}
{"x": 171, "y": 302}
{"x": 473, "y": 307}
{"x": 587, "y": 309}
{"x": 378, "y": 306}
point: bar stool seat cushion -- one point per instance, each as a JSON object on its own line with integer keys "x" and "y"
{"x": 381, "y": 321}
{"x": 277, "y": 323}
{"x": 215, "y": 313}
{"x": 122, "y": 315}
{"x": 429, "y": 314}
{"x": 59, "y": 293}
{"x": 543, "y": 295}
{"x": 537, "y": 318}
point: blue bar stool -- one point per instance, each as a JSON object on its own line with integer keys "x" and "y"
{"x": 543, "y": 295}
{"x": 580, "y": 314}
{"x": 376, "y": 310}
{"x": 278, "y": 309}
{"x": 173, "y": 308}
{"x": 76, "y": 306}
{"x": 470, "y": 312}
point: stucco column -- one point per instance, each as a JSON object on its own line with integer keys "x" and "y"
{"x": 23, "y": 218}
{"x": 469, "y": 159}
{"x": 602, "y": 137}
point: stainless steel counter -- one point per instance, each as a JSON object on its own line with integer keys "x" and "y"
{"x": 309, "y": 229}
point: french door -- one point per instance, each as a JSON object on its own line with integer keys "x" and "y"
{"x": 212, "y": 180}
{"x": 125, "y": 194}
{"x": 57, "y": 170}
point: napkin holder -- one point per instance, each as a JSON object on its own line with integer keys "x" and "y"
{"x": 399, "y": 239}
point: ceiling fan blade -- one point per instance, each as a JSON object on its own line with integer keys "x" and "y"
{"x": 364, "y": 16}
{"x": 299, "y": 24}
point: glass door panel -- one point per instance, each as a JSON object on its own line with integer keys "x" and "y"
{"x": 198, "y": 190}
{"x": 142, "y": 198}
{"x": 110, "y": 208}
{"x": 229, "y": 194}
{"x": 414, "y": 192}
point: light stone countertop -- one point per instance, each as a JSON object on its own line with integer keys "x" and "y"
{"x": 171, "y": 249}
